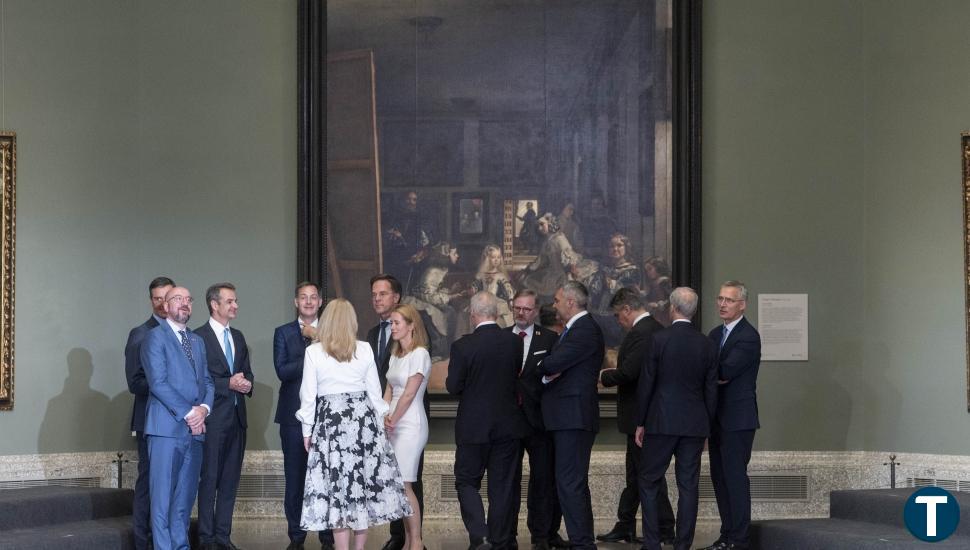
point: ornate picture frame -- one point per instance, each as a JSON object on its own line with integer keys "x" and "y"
{"x": 8, "y": 210}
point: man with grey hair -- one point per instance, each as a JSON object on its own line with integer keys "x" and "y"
{"x": 570, "y": 408}
{"x": 630, "y": 311}
{"x": 677, "y": 397}
{"x": 489, "y": 425}
{"x": 732, "y": 434}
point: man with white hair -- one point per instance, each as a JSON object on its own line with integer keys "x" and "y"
{"x": 489, "y": 425}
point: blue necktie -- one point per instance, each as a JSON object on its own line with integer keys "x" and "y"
{"x": 724, "y": 335}
{"x": 228, "y": 345}
{"x": 382, "y": 342}
{"x": 563, "y": 335}
{"x": 187, "y": 347}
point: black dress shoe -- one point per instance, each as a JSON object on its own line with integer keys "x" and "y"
{"x": 668, "y": 539}
{"x": 557, "y": 541}
{"x": 617, "y": 535}
{"x": 393, "y": 543}
{"x": 717, "y": 545}
{"x": 295, "y": 546}
{"x": 543, "y": 545}
{"x": 229, "y": 546}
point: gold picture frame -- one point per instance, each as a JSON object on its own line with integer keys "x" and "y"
{"x": 8, "y": 211}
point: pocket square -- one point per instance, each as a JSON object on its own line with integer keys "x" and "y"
{"x": 540, "y": 352}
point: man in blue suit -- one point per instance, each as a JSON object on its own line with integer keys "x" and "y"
{"x": 180, "y": 398}
{"x": 138, "y": 385}
{"x": 289, "y": 345}
{"x": 570, "y": 408}
{"x": 732, "y": 432}
{"x": 676, "y": 399}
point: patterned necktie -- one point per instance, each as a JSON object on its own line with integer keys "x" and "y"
{"x": 187, "y": 347}
{"x": 227, "y": 344}
{"x": 306, "y": 339}
{"x": 724, "y": 335}
{"x": 382, "y": 341}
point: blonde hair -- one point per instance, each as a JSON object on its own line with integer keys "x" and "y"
{"x": 419, "y": 339}
{"x": 337, "y": 330}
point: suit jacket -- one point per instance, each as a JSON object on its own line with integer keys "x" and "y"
{"x": 288, "y": 350}
{"x": 175, "y": 386}
{"x": 677, "y": 390}
{"x": 739, "y": 359}
{"x": 135, "y": 373}
{"x": 383, "y": 363}
{"x": 630, "y": 360}
{"x": 482, "y": 371}
{"x": 530, "y": 384}
{"x": 224, "y": 413}
{"x": 571, "y": 401}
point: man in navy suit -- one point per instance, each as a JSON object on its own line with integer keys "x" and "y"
{"x": 180, "y": 398}
{"x": 289, "y": 345}
{"x": 544, "y": 515}
{"x": 138, "y": 385}
{"x": 732, "y": 433}
{"x": 630, "y": 311}
{"x": 489, "y": 425}
{"x": 385, "y": 292}
{"x": 677, "y": 397}
{"x": 225, "y": 443}
{"x": 570, "y": 407}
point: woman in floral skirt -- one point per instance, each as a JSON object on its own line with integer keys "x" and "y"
{"x": 352, "y": 478}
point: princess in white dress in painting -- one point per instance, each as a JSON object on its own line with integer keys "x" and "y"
{"x": 407, "y": 423}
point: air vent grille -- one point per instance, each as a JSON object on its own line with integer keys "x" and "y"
{"x": 765, "y": 487}
{"x": 449, "y": 493}
{"x": 58, "y": 482}
{"x": 962, "y": 486}
{"x": 260, "y": 486}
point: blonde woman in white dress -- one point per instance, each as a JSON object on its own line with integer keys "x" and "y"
{"x": 406, "y": 423}
{"x": 352, "y": 478}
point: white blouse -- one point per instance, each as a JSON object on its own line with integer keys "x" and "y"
{"x": 324, "y": 375}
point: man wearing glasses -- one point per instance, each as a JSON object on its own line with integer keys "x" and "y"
{"x": 732, "y": 432}
{"x": 180, "y": 398}
{"x": 542, "y": 503}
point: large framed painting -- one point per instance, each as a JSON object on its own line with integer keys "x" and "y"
{"x": 520, "y": 142}
{"x": 8, "y": 210}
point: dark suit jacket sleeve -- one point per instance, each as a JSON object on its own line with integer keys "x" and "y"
{"x": 457, "y": 370}
{"x": 243, "y": 365}
{"x": 571, "y": 351}
{"x": 745, "y": 354}
{"x": 287, "y": 370}
{"x": 627, "y": 372}
{"x": 209, "y": 399}
{"x": 158, "y": 367}
{"x": 648, "y": 377}
{"x": 134, "y": 373}
{"x": 710, "y": 385}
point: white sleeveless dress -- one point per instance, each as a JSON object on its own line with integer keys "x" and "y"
{"x": 410, "y": 435}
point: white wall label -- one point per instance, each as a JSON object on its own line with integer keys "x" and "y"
{"x": 783, "y": 324}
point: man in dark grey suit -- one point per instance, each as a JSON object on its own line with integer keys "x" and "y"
{"x": 227, "y": 355}
{"x": 570, "y": 408}
{"x": 482, "y": 372}
{"x": 677, "y": 395}
{"x": 736, "y": 420}
{"x": 631, "y": 313}
{"x": 138, "y": 385}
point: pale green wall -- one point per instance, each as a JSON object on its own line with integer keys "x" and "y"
{"x": 831, "y": 166}
{"x": 154, "y": 138}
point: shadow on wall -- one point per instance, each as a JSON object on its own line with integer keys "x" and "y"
{"x": 76, "y": 418}
{"x": 259, "y": 412}
{"x": 117, "y": 423}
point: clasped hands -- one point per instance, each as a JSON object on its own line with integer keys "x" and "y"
{"x": 238, "y": 383}
{"x": 196, "y": 419}
{"x": 388, "y": 424}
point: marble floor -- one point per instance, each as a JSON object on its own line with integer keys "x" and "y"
{"x": 262, "y": 534}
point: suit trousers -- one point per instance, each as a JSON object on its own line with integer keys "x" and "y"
{"x": 573, "y": 450}
{"x": 294, "y": 474}
{"x": 141, "y": 506}
{"x": 730, "y": 453}
{"x": 626, "y": 511}
{"x": 544, "y": 516}
{"x": 222, "y": 458}
{"x": 397, "y": 526}
{"x": 175, "y": 463}
{"x": 471, "y": 463}
{"x": 656, "y": 453}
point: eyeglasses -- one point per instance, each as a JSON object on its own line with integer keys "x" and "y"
{"x": 724, "y": 300}
{"x": 181, "y": 299}
{"x": 522, "y": 309}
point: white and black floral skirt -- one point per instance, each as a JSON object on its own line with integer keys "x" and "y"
{"x": 352, "y": 478}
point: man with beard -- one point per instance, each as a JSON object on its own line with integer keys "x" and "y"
{"x": 181, "y": 394}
